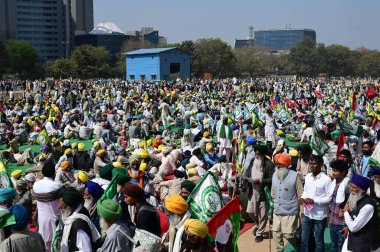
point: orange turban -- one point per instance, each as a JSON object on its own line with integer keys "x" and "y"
{"x": 65, "y": 165}
{"x": 282, "y": 159}
{"x": 101, "y": 153}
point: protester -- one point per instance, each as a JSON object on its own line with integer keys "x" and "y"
{"x": 195, "y": 236}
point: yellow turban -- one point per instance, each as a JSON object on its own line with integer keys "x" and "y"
{"x": 209, "y": 147}
{"x": 117, "y": 165}
{"x": 196, "y": 227}
{"x": 149, "y": 142}
{"x": 74, "y": 145}
{"x": 293, "y": 153}
{"x": 68, "y": 151}
{"x": 142, "y": 144}
{"x": 16, "y": 174}
{"x": 143, "y": 166}
{"x": 206, "y": 134}
{"x": 176, "y": 204}
{"x": 192, "y": 171}
{"x": 82, "y": 175}
{"x": 160, "y": 148}
{"x": 81, "y": 147}
{"x": 144, "y": 154}
{"x": 96, "y": 144}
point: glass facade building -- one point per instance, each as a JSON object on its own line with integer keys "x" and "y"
{"x": 276, "y": 40}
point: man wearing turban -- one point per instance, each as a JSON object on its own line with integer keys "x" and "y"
{"x": 225, "y": 138}
{"x": 178, "y": 214}
{"x": 360, "y": 215}
{"x": 79, "y": 233}
{"x": 92, "y": 193}
{"x": 65, "y": 175}
{"x": 286, "y": 189}
{"x": 187, "y": 187}
{"x": 22, "y": 239}
{"x": 112, "y": 228}
{"x": 259, "y": 175}
{"x": 7, "y": 195}
{"x": 100, "y": 160}
{"x": 195, "y": 236}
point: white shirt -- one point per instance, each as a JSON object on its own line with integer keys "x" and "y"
{"x": 318, "y": 189}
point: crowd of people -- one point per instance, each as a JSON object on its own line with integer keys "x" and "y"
{"x": 310, "y": 143}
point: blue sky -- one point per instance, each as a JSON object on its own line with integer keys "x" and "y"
{"x": 352, "y": 23}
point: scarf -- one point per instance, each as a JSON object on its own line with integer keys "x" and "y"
{"x": 222, "y": 132}
{"x": 140, "y": 176}
{"x": 66, "y": 231}
{"x": 46, "y": 197}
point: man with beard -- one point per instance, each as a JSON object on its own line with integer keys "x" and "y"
{"x": 262, "y": 171}
{"x": 187, "y": 187}
{"x": 137, "y": 176}
{"x": 303, "y": 168}
{"x": 249, "y": 153}
{"x": 46, "y": 193}
{"x": 195, "y": 237}
{"x": 286, "y": 190}
{"x": 79, "y": 234}
{"x": 113, "y": 230}
{"x": 7, "y": 195}
{"x": 363, "y": 160}
{"x": 316, "y": 198}
{"x": 92, "y": 193}
{"x": 340, "y": 189}
{"x": 122, "y": 177}
{"x": 361, "y": 218}
{"x": 178, "y": 214}
{"x": 24, "y": 196}
{"x": 375, "y": 186}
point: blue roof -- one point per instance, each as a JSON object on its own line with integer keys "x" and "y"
{"x": 149, "y": 51}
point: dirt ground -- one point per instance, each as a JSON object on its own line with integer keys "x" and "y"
{"x": 247, "y": 243}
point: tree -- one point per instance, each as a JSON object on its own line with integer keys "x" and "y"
{"x": 61, "y": 68}
{"x": 369, "y": 64}
{"x": 91, "y": 62}
{"x": 189, "y": 47}
{"x": 247, "y": 61}
{"x": 22, "y": 58}
{"x": 3, "y": 58}
{"x": 339, "y": 60}
{"x": 215, "y": 57}
{"x": 305, "y": 59}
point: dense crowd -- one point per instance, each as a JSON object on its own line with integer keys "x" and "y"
{"x": 119, "y": 163}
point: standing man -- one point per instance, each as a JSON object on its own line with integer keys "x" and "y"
{"x": 339, "y": 187}
{"x": 225, "y": 138}
{"x": 286, "y": 190}
{"x": 316, "y": 198}
{"x": 261, "y": 175}
{"x": 361, "y": 218}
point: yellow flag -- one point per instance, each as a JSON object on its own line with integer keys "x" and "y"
{"x": 43, "y": 137}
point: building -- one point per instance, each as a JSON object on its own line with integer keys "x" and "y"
{"x": 157, "y": 64}
{"x": 239, "y": 43}
{"x": 276, "y": 40}
{"x": 49, "y": 25}
{"x": 148, "y": 34}
{"x": 82, "y": 14}
{"x": 107, "y": 35}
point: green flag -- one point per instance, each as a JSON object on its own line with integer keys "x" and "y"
{"x": 111, "y": 190}
{"x": 43, "y": 137}
{"x": 349, "y": 129}
{"x": 318, "y": 144}
{"x": 206, "y": 198}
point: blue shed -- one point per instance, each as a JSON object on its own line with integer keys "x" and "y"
{"x": 157, "y": 64}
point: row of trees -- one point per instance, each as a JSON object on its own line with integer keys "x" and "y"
{"x": 207, "y": 55}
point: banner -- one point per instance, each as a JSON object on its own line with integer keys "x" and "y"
{"x": 206, "y": 199}
{"x": 318, "y": 144}
{"x": 349, "y": 129}
{"x": 238, "y": 114}
{"x": 43, "y": 138}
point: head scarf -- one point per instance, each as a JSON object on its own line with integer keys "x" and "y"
{"x": 188, "y": 185}
{"x": 133, "y": 191}
{"x": 196, "y": 227}
{"x": 22, "y": 217}
{"x": 94, "y": 189}
{"x": 176, "y": 204}
{"x": 82, "y": 175}
{"x": 7, "y": 194}
{"x": 71, "y": 196}
{"x": 134, "y": 158}
{"x": 109, "y": 209}
{"x": 106, "y": 172}
{"x": 122, "y": 176}
{"x": 16, "y": 174}
{"x": 361, "y": 182}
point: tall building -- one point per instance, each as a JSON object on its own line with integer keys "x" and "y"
{"x": 239, "y": 43}
{"x": 47, "y": 24}
{"x": 277, "y": 40}
{"x": 82, "y": 13}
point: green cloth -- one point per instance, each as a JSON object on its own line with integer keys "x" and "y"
{"x": 71, "y": 196}
{"x": 222, "y": 132}
{"x": 106, "y": 172}
{"x": 21, "y": 183}
{"x": 123, "y": 176}
{"x": 109, "y": 209}
{"x": 188, "y": 185}
{"x": 7, "y": 194}
{"x": 6, "y": 218}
